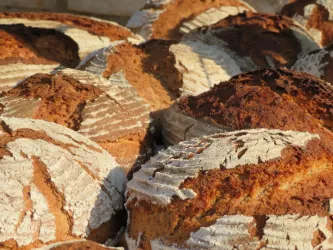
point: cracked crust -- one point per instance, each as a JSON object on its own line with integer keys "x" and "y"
{"x": 271, "y": 98}
{"x": 170, "y": 20}
{"x": 43, "y": 200}
{"x": 246, "y": 186}
{"x": 110, "y": 112}
{"x": 315, "y": 15}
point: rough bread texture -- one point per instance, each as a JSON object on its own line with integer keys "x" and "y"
{"x": 171, "y": 19}
{"x": 315, "y": 15}
{"x": 246, "y": 189}
{"x": 318, "y": 63}
{"x": 56, "y": 185}
{"x": 271, "y": 98}
{"x": 109, "y": 112}
{"x": 257, "y": 40}
{"x": 78, "y": 245}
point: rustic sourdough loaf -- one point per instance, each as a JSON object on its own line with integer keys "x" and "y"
{"x": 249, "y": 189}
{"x": 78, "y": 245}
{"x": 107, "y": 111}
{"x": 318, "y": 63}
{"x": 271, "y": 98}
{"x": 56, "y": 185}
{"x": 170, "y": 19}
{"x": 26, "y": 50}
{"x": 315, "y": 15}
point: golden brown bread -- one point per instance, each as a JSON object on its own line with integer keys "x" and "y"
{"x": 109, "y": 112}
{"x": 249, "y": 189}
{"x": 56, "y": 185}
{"x": 170, "y": 19}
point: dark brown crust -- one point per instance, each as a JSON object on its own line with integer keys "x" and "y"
{"x": 62, "y": 97}
{"x": 271, "y": 98}
{"x": 168, "y": 24}
{"x": 150, "y": 68}
{"x": 99, "y": 28}
{"x": 28, "y": 45}
{"x": 259, "y": 35}
{"x": 318, "y": 20}
{"x": 297, "y": 183}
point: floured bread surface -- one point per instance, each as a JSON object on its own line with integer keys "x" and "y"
{"x": 318, "y": 63}
{"x": 272, "y": 98}
{"x": 315, "y": 15}
{"x": 56, "y": 185}
{"x": 171, "y": 19}
{"x": 109, "y": 112}
{"x": 149, "y": 67}
{"x": 257, "y": 40}
{"x": 238, "y": 190}
{"x": 78, "y": 245}
{"x": 25, "y": 51}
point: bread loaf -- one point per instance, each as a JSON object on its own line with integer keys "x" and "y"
{"x": 271, "y": 98}
{"x": 107, "y": 111}
{"x": 318, "y": 63}
{"x": 56, "y": 185}
{"x": 170, "y": 19}
{"x": 26, "y": 50}
{"x": 78, "y": 245}
{"x": 249, "y": 189}
{"x": 315, "y": 15}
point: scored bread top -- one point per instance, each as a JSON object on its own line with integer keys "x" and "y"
{"x": 257, "y": 40}
{"x": 56, "y": 185}
{"x": 318, "y": 63}
{"x": 263, "y": 175}
{"x": 110, "y": 112}
{"x": 315, "y": 15}
{"x": 270, "y": 98}
{"x": 171, "y": 19}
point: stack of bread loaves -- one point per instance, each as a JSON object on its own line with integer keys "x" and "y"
{"x": 88, "y": 107}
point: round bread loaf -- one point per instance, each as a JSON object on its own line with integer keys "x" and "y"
{"x": 78, "y": 245}
{"x": 318, "y": 63}
{"x": 271, "y": 98}
{"x": 249, "y": 189}
{"x": 170, "y": 19}
{"x": 26, "y": 50}
{"x": 257, "y": 40}
{"x": 109, "y": 112}
{"x": 315, "y": 15}
{"x": 56, "y": 185}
